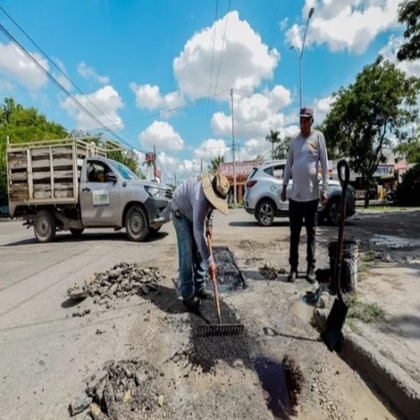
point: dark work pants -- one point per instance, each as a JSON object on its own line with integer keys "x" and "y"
{"x": 297, "y": 212}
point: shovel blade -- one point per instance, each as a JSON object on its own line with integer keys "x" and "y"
{"x": 331, "y": 333}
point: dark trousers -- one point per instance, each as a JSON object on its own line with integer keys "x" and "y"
{"x": 297, "y": 212}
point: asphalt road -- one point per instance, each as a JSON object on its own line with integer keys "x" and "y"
{"x": 46, "y": 354}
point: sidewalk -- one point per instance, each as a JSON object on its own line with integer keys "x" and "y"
{"x": 396, "y": 289}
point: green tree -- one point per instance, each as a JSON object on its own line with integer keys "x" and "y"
{"x": 215, "y": 163}
{"x": 273, "y": 137}
{"x": 282, "y": 149}
{"x": 22, "y": 125}
{"x": 409, "y": 14}
{"x": 410, "y": 149}
{"x": 379, "y": 103}
{"x": 259, "y": 158}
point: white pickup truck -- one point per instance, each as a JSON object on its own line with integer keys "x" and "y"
{"x": 70, "y": 185}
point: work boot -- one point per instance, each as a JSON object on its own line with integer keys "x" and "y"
{"x": 192, "y": 304}
{"x": 310, "y": 275}
{"x": 204, "y": 294}
{"x": 291, "y": 278}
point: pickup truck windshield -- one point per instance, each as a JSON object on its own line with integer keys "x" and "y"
{"x": 123, "y": 170}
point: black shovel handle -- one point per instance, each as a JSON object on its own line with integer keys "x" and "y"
{"x": 343, "y": 204}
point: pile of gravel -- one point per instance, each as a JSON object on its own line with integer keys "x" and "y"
{"x": 124, "y": 280}
{"x": 270, "y": 271}
{"x": 122, "y": 390}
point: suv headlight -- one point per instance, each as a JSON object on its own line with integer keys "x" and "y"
{"x": 155, "y": 192}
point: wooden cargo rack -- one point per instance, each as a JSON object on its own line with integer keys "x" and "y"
{"x": 48, "y": 171}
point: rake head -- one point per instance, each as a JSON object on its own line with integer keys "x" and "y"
{"x": 220, "y": 329}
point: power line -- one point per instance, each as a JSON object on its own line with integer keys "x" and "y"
{"x": 56, "y": 66}
{"x": 61, "y": 87}
{"x": 171, "y": 110}
{"x": 222, "y": 50}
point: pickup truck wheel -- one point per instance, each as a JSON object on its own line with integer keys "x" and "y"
{"x": 136, "y": 224}
{"x": 76, "y": 232}
{"x": 333, "y": 211}
{"x": 265, "y": 213}
{"x": 44, "y": 226}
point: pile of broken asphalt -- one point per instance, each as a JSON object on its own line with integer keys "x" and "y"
{"x": 125, "y": 389}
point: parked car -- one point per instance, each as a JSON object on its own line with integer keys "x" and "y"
{"x": 4, "y": 211}
{"x": 263, "y": 189}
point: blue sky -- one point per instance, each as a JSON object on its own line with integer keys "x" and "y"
{"x": 135, "y": 59}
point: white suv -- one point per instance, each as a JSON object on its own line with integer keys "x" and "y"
{"x": 263, "y": 189}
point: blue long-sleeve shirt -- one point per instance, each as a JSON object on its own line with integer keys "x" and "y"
{"x": 190, "y": 200}
{"x": 302, "y": 165}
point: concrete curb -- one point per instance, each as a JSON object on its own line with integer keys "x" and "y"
{"x": 390, "y": 379}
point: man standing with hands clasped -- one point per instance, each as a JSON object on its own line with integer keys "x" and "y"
{"x": 306, "y": 150}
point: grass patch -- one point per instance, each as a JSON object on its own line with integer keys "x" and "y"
{"x": 369, "y": 313}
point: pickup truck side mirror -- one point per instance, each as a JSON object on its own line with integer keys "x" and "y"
{"x": 110, "y": 177}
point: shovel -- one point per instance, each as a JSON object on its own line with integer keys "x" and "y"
{"x": 218, "y": 329}
{"x": 331, "y": 333}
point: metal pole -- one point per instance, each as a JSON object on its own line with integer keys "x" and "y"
{"x": 154, "y": 163}
{"x": 233, "y": 149}
{"x": 300, "y": 81}
{"x": 300, "y": 55}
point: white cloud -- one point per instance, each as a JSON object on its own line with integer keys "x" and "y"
{"x": 254, "y": 147}
{"x": 411, "y": 68}
{"x": 254, "y": 115}
{"x": 162, "y": 135}
{"x": 88, "y": 72}
{"x": 64, "y": 81}
{"x": 322, "y": 107}
{"x": 16, "y": 66}
{"x": 149, "y": 96}
{"x": 211, "y": 148}
{"x": 283, "y": 24}
{"x": 346, "y": 24}
{"x": 245, "y": 63}
{"x": 183, "y": 168}
{"x": 106, "y": 99}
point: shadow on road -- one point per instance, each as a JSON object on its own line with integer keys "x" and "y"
{"x": 71, "y": 303}
{"x": 256, "y": 225}
{"x": 86, "y": 237}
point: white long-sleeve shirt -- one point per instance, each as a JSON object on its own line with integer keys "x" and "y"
{"x": 302, "y": 166}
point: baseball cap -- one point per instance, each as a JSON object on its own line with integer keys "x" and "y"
{"x": 306, "y": 112}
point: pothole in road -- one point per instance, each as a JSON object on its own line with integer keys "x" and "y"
{"x": 393, "y": 242}
{"x": 229, "y": 277}
{"x": 282, "y": 382}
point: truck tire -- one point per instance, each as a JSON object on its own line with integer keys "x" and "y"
{"x": 332, "y": 211}
{"x": 266, "y": 211}
{"x": 76, "y": 232}
{"x": 44, "y": 226}
{"x": 136, "y": 224}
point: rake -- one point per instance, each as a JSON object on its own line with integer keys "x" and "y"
{"x": 218, "y": 329}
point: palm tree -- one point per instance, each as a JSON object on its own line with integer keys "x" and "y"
{"x": 215, "y": 163}
{"x": 273, "y": 137}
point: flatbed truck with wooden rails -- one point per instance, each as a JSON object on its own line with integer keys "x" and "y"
{"x": 70, "y": 185}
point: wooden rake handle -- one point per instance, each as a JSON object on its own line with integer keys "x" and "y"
{"x": 214, "y": 280}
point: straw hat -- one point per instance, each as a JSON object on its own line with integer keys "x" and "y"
{"x": 216, "y": 190}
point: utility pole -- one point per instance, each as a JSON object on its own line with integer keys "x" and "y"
{"x": 154, "y": 163}
{"x": 201, "y": 165}
{"x": 233, "y": 149}
{"x": 300, "y": 54}
{"x": 175, "y": 180}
